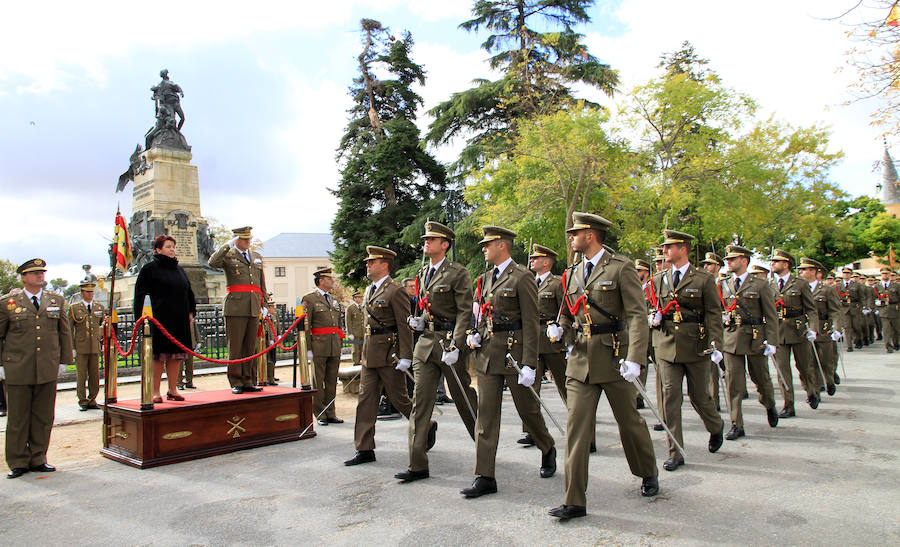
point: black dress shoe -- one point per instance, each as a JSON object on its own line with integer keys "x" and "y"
{"x": 252, "y": 388}
{"x": 772, "y": 416}
{"x": 527, "y": 440}
{"x": 673, "y": 463}
{"x": 715, "y": 440}
{"x": 190, "y": 386}
{"x": 271, "y": 383}
{"x": 650, "y": 486}
{"x": 640, "y": 405}
{"x": 837, "y": 379}
{"x": 237, "y": 390}
{"x": 658, "y": 427}
{"x": 480, "y": 487}
{"x": 889, "y": 350}
{"x": 746, "y": 395}
{"x": 593, "y": 448}
{"x": 334, "y": 420}
{"x": 548, "y": 463}
{"x": 444, "y": 399}
{"x": 735, "y": 432}
{"x": 93, "y": 406}
{"x": 362, "y": 456}
{"x": 832, "y": 389}
{"x": 82, "y": 407}
{"x": 412, "y": 476}
{"x": 43, "y": 468}
{"x": 567, "y": 512}
{"x": 821, "y": 389}
{"x": 787, "y": 412}
{"x": 276, "y": 379}
{"x": 323, "y": 421}
{"x": 850, "y": 349}
{"x": 432, "y": 435}
{"x": 16, "y": 472}
{"x": 813, "y": 401}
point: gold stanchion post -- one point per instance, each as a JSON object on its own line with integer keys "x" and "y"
{"x": 301, "y": 348}
{"x": 112, "y": 359}
{"x": 147, "y": 358}
{"x": 261, "y": 360}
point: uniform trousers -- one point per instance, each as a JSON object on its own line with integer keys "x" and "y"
{"x": 241, "y": 331}
{"x": 890, "y": 327}
{"x": 736, "y": 380}
{"x": 87, "y": 377}
{"x": 30, "y": 419}
{"x": 698, "y": 391}
{"x": 803, "y": 361}
{"x": 853, "y": 331}
{"x": 828, "y": 360}
{"x": 325, "y": 384}
{"x": 371, "y": 381}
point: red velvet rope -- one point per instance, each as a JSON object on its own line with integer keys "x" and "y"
{"x": 272, "y": 330}
{"x": 727, "y": 307}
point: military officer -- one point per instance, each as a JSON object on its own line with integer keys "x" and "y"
{"x": 887, "y": 305}
{"x": 387, "y": 348}
{"x": 798, "y": 322}
{"x": 869, "y": 318}
{"x": 323, "y": 338}
{"x": 507, "y": 324}
{"x": 644, "y": 274}
{"x": 443, "y": 313}
{"x": 605, "y": 320}
{"x": 760, "y": 272}
{"x": 35, "y": 348}
{"x": 660, "y": 264}
{"x": 86, "y": 324}
{"x": 687, "y": 334}
{"x": 828, "y": 309}
{"x": 851, "y": 294}
{"x": 713, "y": 263}
{"x": 750, "y": 321}
{"x": 354, "y": 321}
{"x": 244, "y": 303}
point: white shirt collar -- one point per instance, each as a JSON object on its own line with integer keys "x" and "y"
{"x": 540, "y": 278}
{"x": 323, "y": 293}
{"x": 503, "y": 266}
{"x": 886, "y": 284}
{"x": 594, "y": 260}
{"x": 38, "y": 295}
{"x": 784, "y": 277}
{"x": 682, "y": 269}
{"x": 438, "y": 265}
{"x": 743, "y": 277}
{"x": 813, "y": 285}
{"x": 378, "y": 283}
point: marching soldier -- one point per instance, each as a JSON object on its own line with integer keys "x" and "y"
{"x": 245, "y": 301}
{"x": 713, "y": 263}
{"x": 871, "y": 320}
{"x": 751, "y": 321}
{"x": 887, "y": 305}
{"x": 604, "y": 318}
{"x": 444, "y": 312}
{"x": 851, "y": 294}
{"x": 354, "y": 319}
{"x": 660, "y": 263}
{"x": 323, "y": 338}
{"x": 643, "y": 270}
{"x": 35, "y": 347}
{"x": 86, "y": 324}
{"x": 798, "y": 322}
{"x": 506, "y": 326}
{"x": 387, "y": 348}
{"x": 759, "y": 272}
{"x": 687, "y": 332}
{"x": 828, "y": 309}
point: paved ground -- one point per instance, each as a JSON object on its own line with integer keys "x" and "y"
{"x": 826, "y": 477}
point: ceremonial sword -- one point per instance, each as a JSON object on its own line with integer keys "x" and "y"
{"x": 649, "y": 405}
{"x": 512, "y": 361}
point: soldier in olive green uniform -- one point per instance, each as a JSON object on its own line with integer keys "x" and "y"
{"x": 86, "y": 323}
{"x": 443, "y": 313}
{"x": 387, "y": 350}
{"x": 851, "y": 294}
{"x": 887, "y": 304}
{"x": 798, "y": 322}
{"x": 245, "y": 301}
{"x": 323, "y": 338}
{"x": 35, "y": 347}
{"x": 759, "y": 272}
{"x": 354, "y": 321}
{"x": 750, "y": 321}
{"x": 644, "y": 275}
{"x": 687, "y": 333}
{"x": 713, "y": 263}
{"x": 507, "y": 323}
{"x": 828, "y": 309}
{"x": 605, "y": 320}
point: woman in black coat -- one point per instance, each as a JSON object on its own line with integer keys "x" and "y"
{"x": 173, "y": 304}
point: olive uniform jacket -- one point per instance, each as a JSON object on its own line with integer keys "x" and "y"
{"x": 240, "y": 272}
{"x": 87, "y": 330}
{"x": 354, "y": 320}
{"x": 852, "y": 297}
{"x": 615, "y": 287}
{"x": 888, "y": 301}
{"x": 510, "y": 312}
{"x": 449, "y": 310}
{"x": 752, "y": 320}
{"x": 550, "y": 298}
{"x": 828, "y": 310}
{"x": 798, "y": 311}
{"x": 320, "y": 314}
{"x": 33, "y": 343}
{"x": 701, "y": 316}
{"x": 388, "y": 337}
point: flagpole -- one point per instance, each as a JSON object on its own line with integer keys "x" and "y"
{"x": 110, "y": 372}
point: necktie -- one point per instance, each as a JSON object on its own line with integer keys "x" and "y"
{"x": 781, "y": 284}
{"x": 495, "y": 276}
{"x": 588, "y": 268}
{"x": 89, "y": 309}
{"x": 327, "y": 299}
{"x": 537, "y": 280}
{"x": 246, "y": 256}
{"x": 34, "y": 300}
{"x": 429, "y": 275}
{"x": 737, "y": 283}
{"x": 677, "y": 278}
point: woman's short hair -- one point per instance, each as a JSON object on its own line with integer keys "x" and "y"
{"x": 161, "y": 240}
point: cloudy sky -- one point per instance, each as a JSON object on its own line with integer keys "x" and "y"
{"x": 265, "y": 97}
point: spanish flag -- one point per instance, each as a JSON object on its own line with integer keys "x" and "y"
{"x": 121, "y": 244}
{"x": 892, "y": 19}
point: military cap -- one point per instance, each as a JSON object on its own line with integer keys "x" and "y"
{"x": 357, "y": 294}
{"x": 846, "y": 269}
{"x": 539, "y": 251}
{"x": 270, "y": 299}
{"x": 87, "y": 286}
{"x": 830, "y": 275}
{"x": 756, "y": 268}
{"x": 658, "y": 255}
{"x": 33, "y": 265}
{"x": 243, "y": 232}
{"x": 810, "y": 263}
{"x": 856, "y": 275}
{"x": 588, "y": 221}
{"x": 673, "y": 236}
{"x": 640, "y": 264}
{"x": 323, "y": 272}
{"x": 783, "y": 256}
{"x": 493, "y": 233}
{"x": 713, "y": 258}
{"x": 436, "y": 229}
{"x": 376, "y": 252}
{"x": 886, "y": 270}
{"x": 736, "y": 251}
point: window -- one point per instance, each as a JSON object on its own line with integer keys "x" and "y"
{"x": 280, "y": 271}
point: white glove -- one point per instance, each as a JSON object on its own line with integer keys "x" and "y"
{"x": 568, "y": 351}
{"x": 232, "y": 241}
{"x": 629, "y": 370}
{"x": 554, "y": 331}
{"x": 876, "y": 312}
{"x": 264, "y": 312}
{"x": 878, "y": 302}
{"x": 450, "y": 357}
{"x": 2, "y": 373}
{"x": 655, "y": 319}
{"x": 403, "y": 365}
{"x": 474, "y": 340}
{"x": 770, "y": 350}
{"x": 309, "y": 355}
{"x": 62, "y": 369}
{"x": 811, "y": 335}
{"x": 526, "y": 377}
{"x": 416, "y": 323}
{"x": 866, "y": 311}
{"x": 716, "y": 356}
{"x": 351, "y": 337}
{"x": 836, "y": 335}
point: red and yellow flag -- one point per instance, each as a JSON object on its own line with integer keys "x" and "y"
{"x": 893, "y": 19}
{"x": 122, "y": 244}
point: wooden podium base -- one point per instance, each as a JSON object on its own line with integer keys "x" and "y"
{"x": 205, "y": 424}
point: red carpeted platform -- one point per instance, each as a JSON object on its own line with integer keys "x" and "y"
{"x": 205, "y": 424}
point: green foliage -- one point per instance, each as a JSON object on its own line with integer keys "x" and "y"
{"x": 71, "y": 290}
{"x": 882, "y": 234}
{"x": 58, "y": 284}
{"x": 9, "y": 279}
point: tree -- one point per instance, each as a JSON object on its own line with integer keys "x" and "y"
{"x": 58, "y": 284}
{"x": 538, "y": 70}
{"x": 9, "y": 279}
{"x": 882, "y": 235}
{"x": 386, "y": 176}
